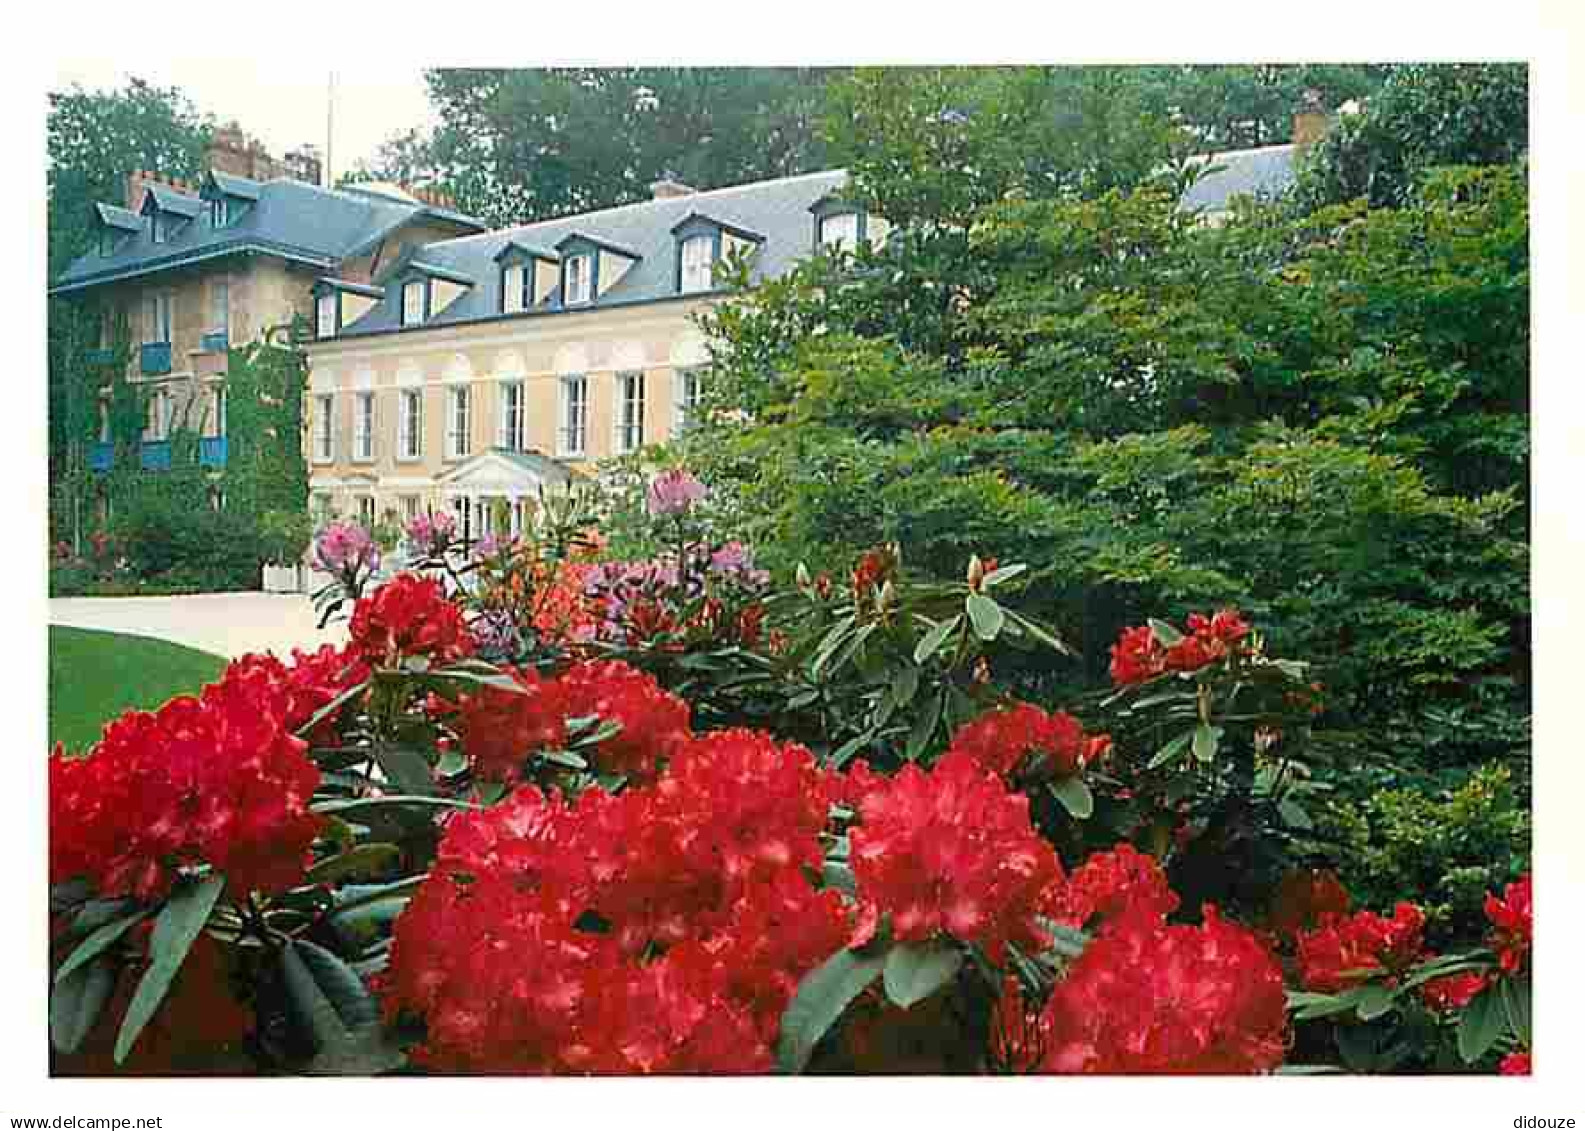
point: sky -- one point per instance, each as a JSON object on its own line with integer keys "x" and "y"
{"x": 371, "y": 103}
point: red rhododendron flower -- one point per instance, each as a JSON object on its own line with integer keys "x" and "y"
{"x": 409, "y": 616}
{"x": 669, "y": 924}
{"x": 1139, "y": 656}
{"x": 1515, "y": 1064}
{"x": 1113, "y": 886}
{"x": 1347, "y": 951}
{"x": 1019, "y": 1033}
{"x": 213, "y": 779}
{"x": 1303, "y": 897}
{"x": 306, "y": 684}
{"x": 1149, "y": 998}
{"x": 1512, "y": 923}
{"x": 1020, "y": 739}
{"x": 951, "y": 850}
{"x": 1452, "y": 992}
{"x": 654, "y": 722}
{"x": 500, "y": 729}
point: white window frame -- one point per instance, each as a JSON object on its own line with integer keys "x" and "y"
{"x": 324, "y": 428}
{"x": 514, "y": 288}
{"x": 162, "y": 410}
{"x": 628, "y": 419}
{"x": 157, "y": 230}
{"x": 325, "y": 314}
{"x": 162, "y": 314}
{"x": 459, "y": 422}
{"x": 847, "y": 240}
{"x": 220, "y": 306}
{"x": 698, "y": 274}
{"x": 687, "y": 385}
{"x": 581, "y": 267}
{"x": 418, "y": 288}
{"x": 216, "y": 418}
{"x": 511, "y": 432}
{"x": 363, "y": 426}
{"x": 411, "y": 505}
{"x": 572, "y": 431}
{"x": 366, "y": 512}
{"x": 410, "y": 424}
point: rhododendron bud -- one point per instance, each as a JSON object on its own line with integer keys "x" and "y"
{"x": 1137, "y": 656}
{"x": 1148, "y": 998}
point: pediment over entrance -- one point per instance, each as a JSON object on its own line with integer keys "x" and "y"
{"x": 498, "y": 472}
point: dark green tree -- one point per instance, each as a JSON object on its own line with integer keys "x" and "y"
{"x": 519, "y": 145}
{"x": 94, "y": 140}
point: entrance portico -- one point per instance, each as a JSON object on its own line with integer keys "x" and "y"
{"x": 474, "y": 488}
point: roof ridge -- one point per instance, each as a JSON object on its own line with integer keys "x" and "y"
{"x": 519, "y": 229}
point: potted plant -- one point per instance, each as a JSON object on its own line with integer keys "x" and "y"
{"x": 285, "y": 535}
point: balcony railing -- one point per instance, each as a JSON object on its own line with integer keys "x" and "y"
{"x": 156, "y": 455}
{"x": 102, "y": 456}
{"x": 215, "y": 341}
{"x": 212, "y": 451}
{"x": 155, "y": 358}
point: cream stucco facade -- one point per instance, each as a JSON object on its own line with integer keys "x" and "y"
{"x": 521, "y": 379}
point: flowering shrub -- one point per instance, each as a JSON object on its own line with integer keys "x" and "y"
{"x": 548, "y": 814}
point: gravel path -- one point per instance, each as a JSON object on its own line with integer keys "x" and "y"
{"x": 227, "y": 624}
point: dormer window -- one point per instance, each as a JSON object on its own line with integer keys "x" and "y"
{"x": 327, "y": 319}
{"x": 514, "y": 288}
{"x": 698, "y": 263}
{"x": 219, "y": 212}
{"x": 114, "y": 225}
{"x": 107, "y": 242}
{"x": 229, "y": 197}
{"x": 577, "y": 274}
{"x": 415, "y": 301}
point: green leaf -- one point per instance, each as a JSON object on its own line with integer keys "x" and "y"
{"x": 406, "y": 768}
{"x": 357, "y": 861}
{"x": 930, "y": 643}
{"x": 924, "y": 726}
{"x": 98, "y": 942}
{"x": 179, "y": 923}
{"x": 834, "y": 874}
{"x": 330, "y": 708}
{"x": 1206, "y": 739}
{"x": 340, "y": 984}
{"x": 1293, "y": 814}
{"x": 309, "y": 1002}
{"x": 985, "y": 615}
{"x": 1039, "y": 631}
{"x": 914, "y": 971}
{"x": 391, "y": 801}
{"x": 1165, "y": 633}
{"x": 823, "y": 994}
{"x": 1002, "y": 573}
{"x": 76, "y": 1001}
{"x": 1483, "y": 1022}
{"x": 1516, "y": 1005}
{"x": 1171, "y": 750}
{"x": 1075, "y": 796}
{"x": 1374, "y": 1000}
{"x": 565, "y": 758}
{"x": 904, "y": 685}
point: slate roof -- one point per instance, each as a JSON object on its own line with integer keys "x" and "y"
{"x": 232, "y": 185}
{"x": 113, "y": 216}
{"x": 779, "y": 209}
{"x": 292, "y": 219}
{"x": 168, "y": 199}
{"x": 1260, "y": 173}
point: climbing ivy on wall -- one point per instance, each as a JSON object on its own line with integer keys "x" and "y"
{"x": 264, "y": 469}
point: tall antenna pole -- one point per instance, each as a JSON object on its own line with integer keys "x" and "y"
{"x": 330, "y": 132}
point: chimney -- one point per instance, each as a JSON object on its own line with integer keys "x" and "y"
{"x": 303, "y": 164}
{"x": 1310, "y": 121}
{"x": 228, "y": 151}
{"x": 668, "y": 189}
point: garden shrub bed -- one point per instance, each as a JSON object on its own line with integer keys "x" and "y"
{"x": 548, "y": 813}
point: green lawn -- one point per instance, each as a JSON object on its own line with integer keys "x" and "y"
{"x": 95, "y": 676}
